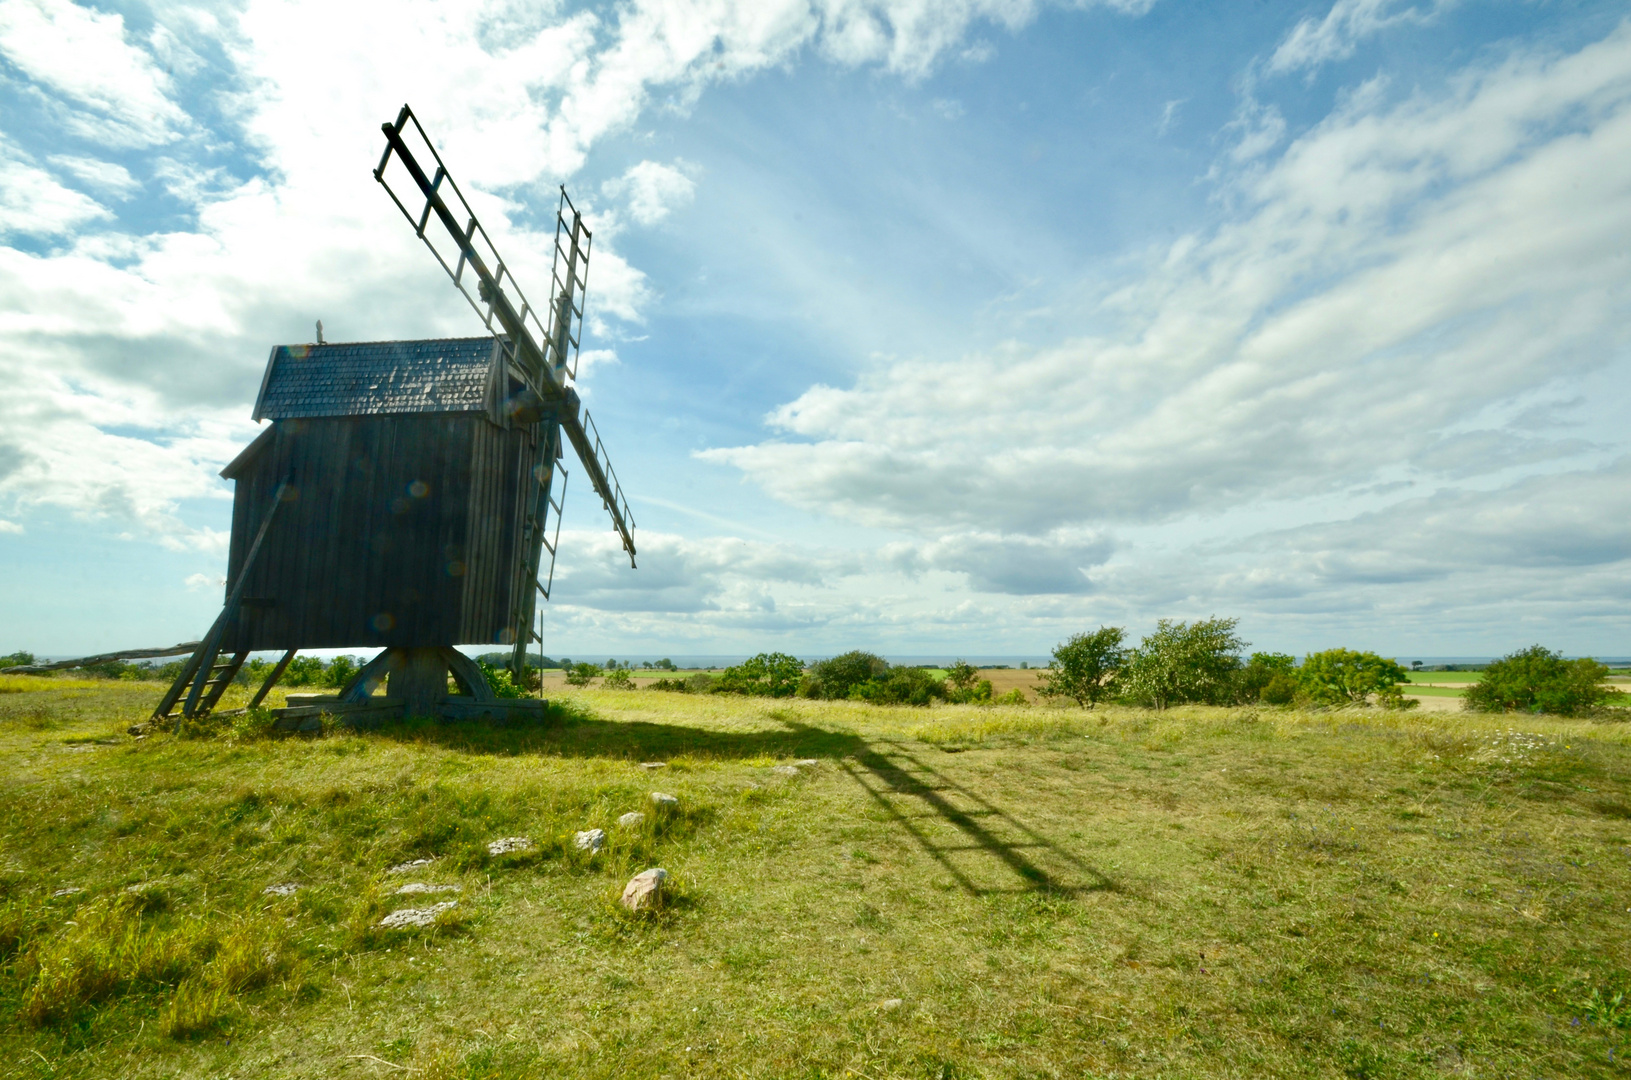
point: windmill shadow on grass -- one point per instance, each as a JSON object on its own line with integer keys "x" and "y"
{"x": 983, "y": 847}
{"x": 570, "y": 733}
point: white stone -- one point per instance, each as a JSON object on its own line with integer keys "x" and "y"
{"x": 654, "y": 764}
{"x": 420, "y": 887}
{"x": 890, "y": 1004}
{"x": 632, "y": 820}
{"x": 72, "y": 891}
{"x": 403, "y": 868}
{"x": 786, "y": 770}
{"x": 506, "y": 844}
{"x": 807, "y": 763}
{"x": 416, "y": 916}
{"x": 591, "y": 840}
{"x": 663, "y": 802}
{"x": 287, "y": 888}
{"x": 644, "y": 889}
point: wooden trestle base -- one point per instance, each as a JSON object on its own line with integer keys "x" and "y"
{"x": 415, "y": 682}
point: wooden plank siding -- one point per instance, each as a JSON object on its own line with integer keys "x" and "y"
{"x": 358, "y": 556}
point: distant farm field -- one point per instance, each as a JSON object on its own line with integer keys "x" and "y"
{"x": 950, "y": 892}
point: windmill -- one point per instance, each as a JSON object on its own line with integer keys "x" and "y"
{"x": 402, "y": 495}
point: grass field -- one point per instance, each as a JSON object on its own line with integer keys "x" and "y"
{"x": 954, "y": 892}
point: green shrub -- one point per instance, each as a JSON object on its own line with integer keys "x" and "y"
{"x": 1270, "y": 678}
{"x": 834, "y": 679}
{"x": 580, "y": 674}
{"x": 1538, "y": 680}
{"x": 1346, "y": 677}
{"x": 673, "y": 686}
{"x": 1012, "y": 697}
{"x": 1185, "y": 662}
{"x": 500, "y": 681}
{"x": 617, "y": 680}
{"x": 964, "y": 685}
{"x": 766, "y": 675}
{"x": 900, "y": 686}
{"x": 1085, "y": 667}
{"x": 21, "y": 658}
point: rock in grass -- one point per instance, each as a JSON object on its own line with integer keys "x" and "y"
{"x": 73, "y": 890}
{"x": 644, "y": 889}
{"x": 591, "y": 840}
{"x": 786, "y": 770}
{"x": 654, "y": 764}
{"x": 286, "y": 888}
{"x": 890, "y": 1004}
{"x": 632, "y": 820}
{"x": 414, "y": 887}
{"x": 663, "y": 802}
{"x": 396, "y": 920}
{"x": 403, "y": 868}
{"x": 807, "y": 763}
{"x": 506, "y": 844}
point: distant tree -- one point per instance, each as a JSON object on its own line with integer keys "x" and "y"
{"x": 1270, "y": 678}
{"x": 964, "y": 685}
{"x": 1346, "y": 677}
{"x": 1084, "y": 667}
{"x": 21, "y": 658}
{"x": 765, "y": 675}
{"x": 1185, "y": 662}
{"x": 835, "y": 678}
{"x": 1540, "y": 681}
{"x": 304, "y": 671}
{"x": 340, "y": 670}
{"x": 581, "y": 674}
{"x": 666, "y": 664}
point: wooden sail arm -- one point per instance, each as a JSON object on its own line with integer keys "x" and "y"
{"x": 586, "y": 441}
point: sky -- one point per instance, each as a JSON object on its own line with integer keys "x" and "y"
{"x": 919, "y": 326}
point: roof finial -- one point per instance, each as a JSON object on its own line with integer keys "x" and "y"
{"x": 320, "y": 332}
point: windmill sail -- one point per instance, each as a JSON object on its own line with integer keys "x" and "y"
{"x": 545, "y": 357}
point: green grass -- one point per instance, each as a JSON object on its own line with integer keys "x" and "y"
{"x": 1436, "y": 691}
{"x": 1444, "y": 676}
{"x": 1025, "y": 892}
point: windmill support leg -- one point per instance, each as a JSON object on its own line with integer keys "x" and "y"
{"x": 272, "y": 678}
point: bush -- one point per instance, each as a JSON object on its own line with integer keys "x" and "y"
{"x": 1346, "y": 677}
{"x": 16, "y": 659}
{"x": 1538, "y": 680}
{"x": 1270, "y": 678}
{"x": 1084, "y": 667}
{"x": 500, "y": 681}
{"x": 1013, "y": 697}
{"x": 900, "y": 686}
{"x": 1185, "y": 662}
{"x": 581, "y": 674}
{"x": 673, "y": 686}
{"x": 834, "y": 679}
{"x": 964, "y": 685}
{"x": 766, "y": 675}
{"x": 617, "y": 680}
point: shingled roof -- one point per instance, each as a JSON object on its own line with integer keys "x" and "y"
{"x": 370, "y": 378}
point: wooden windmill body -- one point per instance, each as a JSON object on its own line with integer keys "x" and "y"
{"x": 404, "y": 492}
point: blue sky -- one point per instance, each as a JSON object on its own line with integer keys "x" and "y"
{"x": 915, "y": 326}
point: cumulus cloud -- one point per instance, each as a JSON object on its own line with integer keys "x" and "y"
{"x": 652, "y": 190}
{"x": 1402, "y": 267}
{"x": 284, "y": 223}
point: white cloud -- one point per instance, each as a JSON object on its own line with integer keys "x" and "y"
{"x": 1399, "y": 269}
{"x": 104, "y": 176}
{"x": 652, "y": 190}
{"x": 84, "y": 56}
{"x": 1312, "y": 43}
{"x": 1169, "y": 113}
{"x": 10, "y": 527}
{"x": 200, "y": 582}
{"x": 34, "y": 203}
